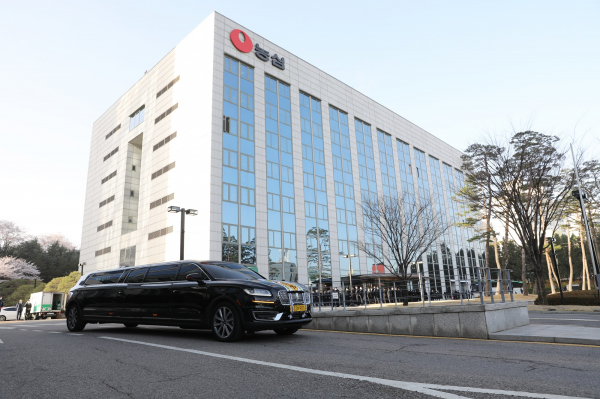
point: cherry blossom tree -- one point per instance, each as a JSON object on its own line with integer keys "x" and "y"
{"x": 48, "y": 239}
{"x": 14, "y": 268}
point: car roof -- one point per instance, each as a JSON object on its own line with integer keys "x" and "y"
{"x": 174, "y": 262}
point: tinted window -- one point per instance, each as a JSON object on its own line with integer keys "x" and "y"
{"x": 161, "y": 273}
{"x": 189, "y": 268}
{"x": 104, "y": 278}
{"x": 136, "y": 276}
{"x": 9, "y": 309}
{"x": 231, "y": 271}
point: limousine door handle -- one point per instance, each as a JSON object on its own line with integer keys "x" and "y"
{"x": 121, "y": 292}
{"x": 176, "y": 291}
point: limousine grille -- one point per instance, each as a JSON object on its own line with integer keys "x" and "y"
{"x": 295, "y": 297}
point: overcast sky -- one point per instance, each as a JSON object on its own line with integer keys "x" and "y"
{"x": 458, "y": 69}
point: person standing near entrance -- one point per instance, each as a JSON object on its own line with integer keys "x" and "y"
{"x": 19, "y": 309}
{"x": 1, "y": 303}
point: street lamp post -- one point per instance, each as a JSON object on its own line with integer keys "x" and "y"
{"x": 555, "y": 262}
{"x": 82, "y": 264}
{"x": 350, "y": 266}
{"x": 183, "y": 211}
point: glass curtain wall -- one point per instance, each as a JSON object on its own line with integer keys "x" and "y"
{"x": 388, "y": 172}
{"x": 368, "y": 182}
{"x": 457, "y": 236}
{"x": 432, "y": 269}
{"x": 318, "y": 253}
{"x": 238, "y": 205}
{"x": 344, "y": 193}
{"x": 281, "y": 217}
{"x": 445, "y": 245}
{"x": 471, "y": 255}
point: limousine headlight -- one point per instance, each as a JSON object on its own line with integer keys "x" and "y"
{"x": 257, "y": 292}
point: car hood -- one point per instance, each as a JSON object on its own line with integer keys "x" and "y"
{"x": 278, "y": 285}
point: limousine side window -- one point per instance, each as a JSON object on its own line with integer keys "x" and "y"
{"x": 190, "y": 268}
{"x": 104, "y": 278}
{"x": 161, "y": 273}
{"x": 136, "y": 276}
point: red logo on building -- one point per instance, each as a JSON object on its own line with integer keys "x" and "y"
{"x": 244, "y": 46}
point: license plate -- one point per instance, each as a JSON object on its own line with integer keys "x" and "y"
{"x": 299, "y": 308}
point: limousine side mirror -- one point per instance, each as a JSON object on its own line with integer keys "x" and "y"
{"x": 197, "y": 277}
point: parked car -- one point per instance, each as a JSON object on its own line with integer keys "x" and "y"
{"x": 9, "y": 313}
{"x": 224, "y": 297}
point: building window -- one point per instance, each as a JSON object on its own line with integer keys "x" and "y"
{"x": 103, "y": 251}
{"x": 104, "y": 226}
{"x": 238, "y": 201}
{"x": 107, "y": 178}
{"x": 162, "y": 170}
{"x": 160, "y": 233}
{"x": 110, "y": 154}
{"x": 167, "y": 87}
{"x": 127, "y": 257}
{"x": 166, "y": 113}
{"x": 344, "y": 193}
{"x": 162, "y": 200}
{"x": 136, "y": 118}
{"x": 107, "y": 201}
{"x": 164, "y": 141}
{"x": 281, "y": 219}
{"x": 112, "y": 132}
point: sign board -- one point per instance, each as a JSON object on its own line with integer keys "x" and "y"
{"x": 245, "y": 46}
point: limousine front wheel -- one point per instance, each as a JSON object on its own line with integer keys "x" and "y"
{"x": 74, "y": 319}
{"x": 226, "y": 324}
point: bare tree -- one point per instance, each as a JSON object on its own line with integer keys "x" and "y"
{"x": 14, "y": 268}
{"x": 10, "y": 235}
{"x": 407, "y": 231}
{"x": 527, "y": 176}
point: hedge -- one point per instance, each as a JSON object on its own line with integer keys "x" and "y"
{"x": 582, "y": 298}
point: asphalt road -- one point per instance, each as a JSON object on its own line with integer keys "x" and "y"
{"x": 587, "y": 319}
{"x": 41, "y": 359}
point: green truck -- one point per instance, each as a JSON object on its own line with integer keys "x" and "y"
{"x": 46, "y": 304}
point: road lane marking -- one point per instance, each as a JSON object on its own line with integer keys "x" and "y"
{"x": 54, "y": 332}
{"x": 7, "y": 328}
{"x": 429, "y": 389}
{"x": 1, "y": 341}
{"x": 561, "y": 319}
{"x": 73, "y": 334}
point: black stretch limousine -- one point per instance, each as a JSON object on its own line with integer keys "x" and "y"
{"x": 225, "y": 297}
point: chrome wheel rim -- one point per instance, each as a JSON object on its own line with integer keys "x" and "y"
{"x": 73, "y": 315}
{"x": 223, "y": 322}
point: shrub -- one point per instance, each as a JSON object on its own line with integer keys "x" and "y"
{"x": 581, "y": 298}
{"x": 63, "y": 284}
{"x": 23, "y": 291}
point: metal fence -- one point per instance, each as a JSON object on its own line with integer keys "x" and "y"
{"x": 486, "y": 283}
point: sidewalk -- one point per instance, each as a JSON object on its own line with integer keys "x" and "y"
{"x": 564, "y": 334}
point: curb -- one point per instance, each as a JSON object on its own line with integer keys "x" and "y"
{"x": 592, "y": 312}
{"x": 539, "y": 338}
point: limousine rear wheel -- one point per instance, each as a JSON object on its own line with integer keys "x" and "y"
{"x": 226, "y": 323}
{"x": 74, "y": 319}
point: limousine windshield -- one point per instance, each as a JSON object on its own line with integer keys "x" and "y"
{"x": 231, "y": 271}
